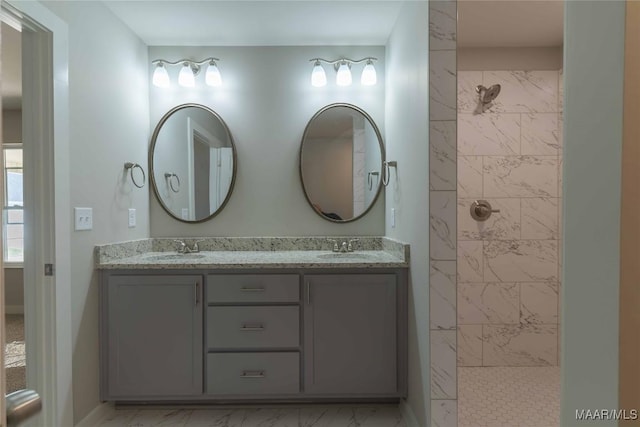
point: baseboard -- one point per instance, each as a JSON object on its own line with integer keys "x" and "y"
{"x": 14, "y": 309}
{"x": 98, "y": 414}
{"x": 407, "y": 414}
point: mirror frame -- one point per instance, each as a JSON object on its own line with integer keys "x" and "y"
{"x": 152, "y": 149}
{"x": 382, "y": 160}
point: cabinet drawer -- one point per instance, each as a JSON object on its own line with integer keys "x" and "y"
{"x": 253, "y": 327}
{"x": 253, "y": 373}
{"x": 241, "y": 288}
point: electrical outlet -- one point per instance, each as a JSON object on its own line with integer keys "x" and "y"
{"x": 185, "y": 213}
{"x": 83, "y": 218}
{"x": 132, "y": 218}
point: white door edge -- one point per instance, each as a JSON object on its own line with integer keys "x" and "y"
{"x": 48, "y": 304}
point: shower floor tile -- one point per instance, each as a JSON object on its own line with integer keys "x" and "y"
{"x": 509, "y": 396}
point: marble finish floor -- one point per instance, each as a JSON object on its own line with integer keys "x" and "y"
{"x": 269, "y": 416}
{"x": 509, "y": 396}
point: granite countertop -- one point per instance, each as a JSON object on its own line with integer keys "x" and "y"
{"x": 229, "y": 253}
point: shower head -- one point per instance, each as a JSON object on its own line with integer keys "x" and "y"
{"x": 488, "y": 94}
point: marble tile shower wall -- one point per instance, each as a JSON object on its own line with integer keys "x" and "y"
{"x": 442, "y": 211}
{"x": 508, "y": 267}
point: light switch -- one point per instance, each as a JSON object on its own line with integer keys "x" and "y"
{"x": 132, "y": 218}
{"x": 83, "y": 218}
{"x": 185, "y": 213}
{"x": 393, "y": 217}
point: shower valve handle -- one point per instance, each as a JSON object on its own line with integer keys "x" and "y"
{"x": 481, "y": 210}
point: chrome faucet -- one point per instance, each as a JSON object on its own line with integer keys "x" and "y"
{"x": 335, "y": 245}
{"x": 345, "y": 246}
{"x": 183, "y": 248}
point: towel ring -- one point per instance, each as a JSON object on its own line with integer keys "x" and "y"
{"x": 169, "y": 177}
{"x": 386, "y": 174}
{"x": 131, "y": 166}
{"x": 370, "y": 176}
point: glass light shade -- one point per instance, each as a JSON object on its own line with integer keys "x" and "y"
{"x": 213, "y": 77}
{"x": 318, "y": 76}
{"x": 368, "y": 77}
{"x": 343, "y": 78}
{"x": 186, "y": 77}
{"x": 160, "y": 76}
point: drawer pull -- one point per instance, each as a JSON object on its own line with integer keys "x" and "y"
{"x": 252, "y": 374}
{"x": 258, "y": 327}
{"x": 246, "y": 289}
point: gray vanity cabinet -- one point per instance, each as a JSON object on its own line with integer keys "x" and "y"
{"x": 207, "y": 335}
{"x": 350, "y": 335}
{"x": 253, "y": 335}
{"x": 154, "y": 336}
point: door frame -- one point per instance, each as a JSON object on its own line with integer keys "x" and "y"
{"x": 629, "y": 370}
{"x": 48, "y": 332}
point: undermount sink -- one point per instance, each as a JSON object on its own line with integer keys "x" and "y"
{"x": 342, "y": 255}
{"x": 171, "y": 257}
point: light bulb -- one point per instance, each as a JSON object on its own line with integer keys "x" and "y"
{"x": 343, "y": 78}
{"x": 318, "y": 76}
{"x": 213, "y": 77}
{"x": 160, "y": 76}
{"x": 368, "y": 77}
{"x": 186, "y": 77}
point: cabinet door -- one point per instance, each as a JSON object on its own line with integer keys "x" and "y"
{"x": 350, "y": 334}
{"x": 154, "y": 336}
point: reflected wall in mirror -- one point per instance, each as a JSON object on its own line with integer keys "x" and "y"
{"x": 341, "y": 157}
{"x": 193, "y": 163}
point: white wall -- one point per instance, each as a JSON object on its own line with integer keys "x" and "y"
{"x": 171, "y": 153}
{"x": 594, "y": 61}
{"x": 109, "y": 117}
{"x": 407, "y": 134}
{"x": 371, "y": 163}
{"x": 267, "y": 100}
{"x": 11, "y": 125}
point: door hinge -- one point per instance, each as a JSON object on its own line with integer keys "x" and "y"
{"x": 48, "y": 269}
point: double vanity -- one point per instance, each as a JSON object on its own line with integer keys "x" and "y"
{"x": 256, "y": 319}
{"x": 253, "y": 319}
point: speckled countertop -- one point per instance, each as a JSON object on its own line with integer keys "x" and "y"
{"x": 262, "y": 252}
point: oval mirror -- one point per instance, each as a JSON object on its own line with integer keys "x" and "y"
{"x": 341, "y": 157}
{"x": 193, "y": 163}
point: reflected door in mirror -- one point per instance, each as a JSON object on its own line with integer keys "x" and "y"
{"x": 340, "y": 162}
{"x": 193, "y": 163}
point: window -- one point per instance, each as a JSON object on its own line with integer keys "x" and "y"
{"x": 12, "y": 218}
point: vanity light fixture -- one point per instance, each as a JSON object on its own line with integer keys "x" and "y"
{"x": 342, "y": 67}
{"x": 187, "y": 76}
{"x": 368, "y": 77}
{"x": 160, "y": 76}
{"x": 343, "y": 76}
{"x": 213, "y": 77}
{"x": 190, "y": 69}
{"x": 318, "y": 76}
